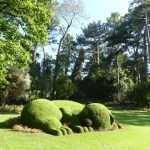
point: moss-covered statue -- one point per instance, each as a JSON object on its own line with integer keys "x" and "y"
{"x": 65, "y": 117}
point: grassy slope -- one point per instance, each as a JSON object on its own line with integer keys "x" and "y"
{"x": 134, "y": 136}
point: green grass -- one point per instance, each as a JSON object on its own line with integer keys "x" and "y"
{"x": 134, "y": 136}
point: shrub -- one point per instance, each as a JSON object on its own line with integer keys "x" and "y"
{"x": 17, "y": 87}
{"x": 53, "y": 124}
{"x": 72, "y": 107}
{"x": 41, "y": 114}
{"x": 98, "y": 114}
{"x": 98, "y": 84}
{"x": 141, "y": 94}
{"x": 90, "y": 129}
{"x": 85, "y": 129}
{"x": 64, "y": 87}
{"x": 11, "y": 108}
{"x": 64, "y": 131}
{"x": 64, "y": 117}
{"x": 69, "y": 130}
{"x": 78, "y": 129}
{"x": 70, "y": 110}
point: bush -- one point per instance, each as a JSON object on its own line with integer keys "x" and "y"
{"x": 64, "y": 88}
{"x": 18, "y": 85}
{"x": 72, "y": 107}
{"x": 11, "y": 108}
{"x": 141, "y": 94}
{"x": 41, "y": 114}
{"x": 99, "y": 84}
{"x": 70, "y": 110}
{"x": 57, "y": 117}
{"x": 98, "y": 114}
{"x": 52, "y": 125}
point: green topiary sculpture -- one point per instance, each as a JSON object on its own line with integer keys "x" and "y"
{"x": 97, "y": 116}
{"x": 63, "y": 117}
{"x": 42, "y": 114}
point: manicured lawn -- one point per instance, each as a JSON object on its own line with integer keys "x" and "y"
{"x": 134, "y": 136}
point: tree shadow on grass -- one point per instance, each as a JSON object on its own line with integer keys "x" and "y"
{"x": 6, "y": 119}
{"x": 3, "y": 125}
{"x": 131, "y": 117}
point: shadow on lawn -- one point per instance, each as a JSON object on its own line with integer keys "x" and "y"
{"x": 6, "y": 119}
{"x": 130, "y": 117}
{"x": 3, "y": 125}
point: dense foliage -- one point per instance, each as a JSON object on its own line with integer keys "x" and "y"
{"x": 108, "y": 60}
{"x": 23, "y": 24}
{"x": 41, "y": 114}
{"x": 65, "y": 117}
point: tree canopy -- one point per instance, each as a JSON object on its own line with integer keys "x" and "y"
{"x": 22, "y": 25}
{"x": 108, "y": 60}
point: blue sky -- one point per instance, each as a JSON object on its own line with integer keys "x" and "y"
{"x": 100, "y": 10}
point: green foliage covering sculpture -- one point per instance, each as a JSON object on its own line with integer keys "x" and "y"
{"x": 64, "y": 117}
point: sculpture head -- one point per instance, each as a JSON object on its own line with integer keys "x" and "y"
{"x": 97, "y": 116}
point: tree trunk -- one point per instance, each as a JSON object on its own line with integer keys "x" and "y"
{"x": 146, "y": 49}
{"x": 76, "y": 73}
{"x": 56, "y": 70}
{"x": 118, "y": 80}
{"x": 33, "y": 54}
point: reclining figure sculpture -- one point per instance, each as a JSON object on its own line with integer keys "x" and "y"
{"x": 63, "y": 117}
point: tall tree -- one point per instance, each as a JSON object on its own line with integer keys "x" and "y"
{"x": 77, "y": 70}
{"x": 69, "y": 12}
{"x": 22, "y": 24}
{"x": 92, "y": 38}
{"x": 68, "y": 53}
{"x": 130, "y": 37}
